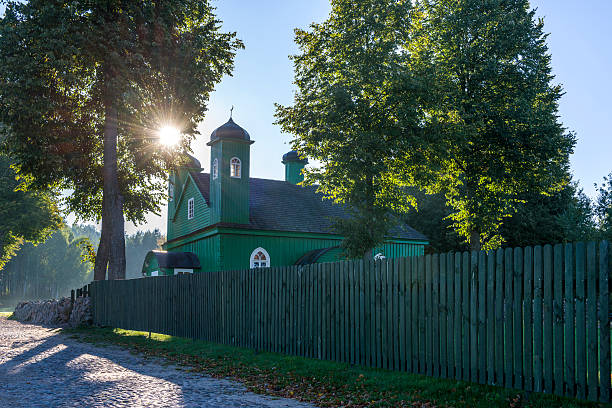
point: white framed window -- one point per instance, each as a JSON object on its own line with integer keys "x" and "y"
{"x": 235, "y": 167}
{"x": 190, "y": 209}
{"x": 260, "y": 258}
{"x": 170, "y": 191}
{"x": 182, "y": 271}
{"x": 155, "y": 273}
{"x": 215, "y": 169}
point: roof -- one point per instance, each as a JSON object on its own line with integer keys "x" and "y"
{"x": 293, "y": 156}
{"x": 229, "y": 130}
{"x": 166, "y": 259}
{"x": 281, "y": 206}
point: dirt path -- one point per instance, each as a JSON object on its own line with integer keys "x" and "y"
{"x": 40, "y": 367}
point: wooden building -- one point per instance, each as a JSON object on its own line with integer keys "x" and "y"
{"x": 232, "y": 221}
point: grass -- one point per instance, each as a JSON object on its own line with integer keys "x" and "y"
{"x": 323, "y": 383}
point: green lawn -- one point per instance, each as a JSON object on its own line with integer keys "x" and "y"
{"x": 321, "y": 382}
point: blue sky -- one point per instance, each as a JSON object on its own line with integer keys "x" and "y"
{"x": 579, "y": 42}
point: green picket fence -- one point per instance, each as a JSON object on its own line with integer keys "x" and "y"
{"x": 529, "y": 318}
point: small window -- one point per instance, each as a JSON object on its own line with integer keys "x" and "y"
{"x": 235, "y": 167}
{"x": 190, "y": 209}
{"x": 170, "y": 191}
{"x": 260, "y": 258}
{"x": 215, "y": 169}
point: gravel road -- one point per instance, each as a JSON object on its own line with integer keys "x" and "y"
{"x": 40, "y": 367}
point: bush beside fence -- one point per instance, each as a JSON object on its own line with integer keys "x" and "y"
{"x": 529, "y": 318}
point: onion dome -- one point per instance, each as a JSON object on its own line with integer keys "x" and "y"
{"x": 229, "y": 130}
{"x": 191, "y": 162}
{"x": 293, "y": 156}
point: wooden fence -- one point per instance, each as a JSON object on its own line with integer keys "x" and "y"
{"x": 527, "y": 318}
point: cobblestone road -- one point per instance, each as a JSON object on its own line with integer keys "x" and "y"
{"x": 41, "y": 368}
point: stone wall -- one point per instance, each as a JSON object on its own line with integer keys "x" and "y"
{"x": 55, "y": 312}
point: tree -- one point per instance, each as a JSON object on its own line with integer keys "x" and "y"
{"x": 34, "y": 273}
{"x": 603, "y": 208}
{"x": 84, "y": 87}
{"x": 354, "y": 111}
{"x": 136, "y": 248}
{"x": 24, "y": 215}
{"x": 493, "y": 111}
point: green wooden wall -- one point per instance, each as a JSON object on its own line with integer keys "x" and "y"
{"x": 230, "y": 196}
{"x": 207, "y": 249}
{"x": 179, "y": 225}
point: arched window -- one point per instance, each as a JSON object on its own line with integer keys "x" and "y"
{"x": 170, "y": 191}
{"x": 235, "y": 167}
{"x": 260, "y": 258}
{"x": 215, "y": 169}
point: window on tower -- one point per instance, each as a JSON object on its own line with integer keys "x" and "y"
{"x": 190, "y": 209}
{"x": 235, "y": 167}
{"x": 260, "y": 258}
{"x": 215, "y": 169}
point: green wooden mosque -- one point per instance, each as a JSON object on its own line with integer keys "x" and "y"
{"x": 226, "y": 220}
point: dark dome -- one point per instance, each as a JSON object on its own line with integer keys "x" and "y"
{"x": 229, "y": 130}
{"x": 293, "y": 156}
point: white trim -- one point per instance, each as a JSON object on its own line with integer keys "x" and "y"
{"x": 181, "y": 270}
{"x": 154, "y": 273}
{"x": 215, "y": 169}
{"x": 190, "y": 208}
{"x": 256, "y": 264}
{"x": 238, "y": 163}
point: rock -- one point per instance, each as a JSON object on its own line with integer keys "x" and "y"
{"x": 53, "y": 312}
{"x": 81, "y": 313}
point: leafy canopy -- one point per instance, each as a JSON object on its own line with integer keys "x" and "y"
{"x": 355, "y": 111}
{"x": 24, "y": 215}
{"x": 62, "y": 61}
{"x": 493, "y": 112}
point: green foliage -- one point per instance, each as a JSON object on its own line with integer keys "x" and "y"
{"x": 354, "y": 111}
{"x": 48, "y": 270}
{"x": 603, "y": 208}
{"x": 63, "y": 61}
{"x": 492, "y": 115}
{"x": 24, "y": 215}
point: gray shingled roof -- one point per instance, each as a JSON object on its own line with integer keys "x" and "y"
{"x": 281, "y": 206}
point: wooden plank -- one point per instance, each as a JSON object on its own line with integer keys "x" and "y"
{"x": 482, "y": 350}
{"x": 421, "y": 316}
{"x": 342, "y": 309}
{"x": 548, "y": 358}
{"x": 591, "y": 322}
{"x": 384, "y": 313}
{"x": 379, "y": 318}
{"x": 581, "y": 359}
{"x": 458, "y": 326}
{"x": 395, "y": 323}
{"x": 490, "y": 317}
{"x": 403, "y": 316}
{"x": 371, "y": 312}
{"x": 435, "y": 303}
{"x": 528, "y": 318}
{"x": 508, "y": 332}
{"x": 569, "y": 330}
{"x": 558, "y": 319}
{"x": 443, "y": 317}
{"x": 538, "y": 323}
{"x": 474, "y": 316}
{"x": 604, "y": 323}
{"x": 450, "y": 318}
{"x": 465, "y": 314}
{"x": 414, "y": 325}
{"x": 362, "y": 311}
{"x": 517, "y": 306}
{"x": 428, "y": 316}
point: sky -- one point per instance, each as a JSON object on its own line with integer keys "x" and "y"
{"x": 579, "y": 43}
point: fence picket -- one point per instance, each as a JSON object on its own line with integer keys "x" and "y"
{"x": 548, "y": 320}
{"x": 570, "y": 376}
{"x": 604, "y": 323}
{"x": 591, "y": 322}
{"x": 580, "y": 321}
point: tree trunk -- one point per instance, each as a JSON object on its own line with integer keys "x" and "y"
{"x": 103, "y": 247}
{"x": 113, "y": 201}
{"x": 475, "y": 241}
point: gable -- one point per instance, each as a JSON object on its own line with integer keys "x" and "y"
{"x": 179, "y": 224}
